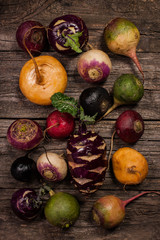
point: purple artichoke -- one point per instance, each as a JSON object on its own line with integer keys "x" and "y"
{"x": 86, "y": 153}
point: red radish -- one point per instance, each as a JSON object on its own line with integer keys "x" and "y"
{"x": 34, "y": 35}
{"x": 24, "y": 134}
{"x": 109, "y": 211}
{"x": 59, "y": 125}
{"x": 122, "y": 37}
{"x": 94, "y": 66}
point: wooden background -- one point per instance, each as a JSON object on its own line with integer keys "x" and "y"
{"x": 143, "y": 216}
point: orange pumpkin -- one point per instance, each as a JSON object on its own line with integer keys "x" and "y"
{"x": 39, "y": 85}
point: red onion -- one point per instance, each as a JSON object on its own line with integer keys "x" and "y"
{"x": 94, "y": 66}
{"x": 33, "y": 34}
{"x": 24, "y": 134}
{"x": 68, "y": 34}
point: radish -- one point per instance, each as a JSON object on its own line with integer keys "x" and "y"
{"x": 52, "y": 166}
{"x": 109, "y": 211}
{"x": 94, "y": 66}
{"x": 86, "y": 154}
{"x": 122, "y": 37}
{"x": 60, "y": 125}
{"x": 31, "y": 35}
{"x": 24, "y": 134}
{"x": 127, "y": 89}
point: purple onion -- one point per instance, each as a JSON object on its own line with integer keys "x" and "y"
{"x": 86, "y": 153}
{"x": 62, "y": 28}
{"x": 25, "y": 203}
{"x": 35, "y": 38}
{"x": 24, "y": 134}
{"x": 94, "y": 66}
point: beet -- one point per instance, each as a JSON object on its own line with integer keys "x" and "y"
{"x": 130, "y": 126}
{"x": 86, "y": 154}
{"x": 68, "y": 34}
{"x": 33, "y": 34}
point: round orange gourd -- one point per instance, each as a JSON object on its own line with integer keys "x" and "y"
{"x": 129, "y": 166}
{"x": 52, "y": 78}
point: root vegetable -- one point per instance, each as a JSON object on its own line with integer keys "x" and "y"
{"x": 127, "y": 89}
{"x": 129, "y": 166}
{"x": 52, "y": 167}
{"x": 68, "y": 34}
{"x": 60, "y": 125}
{"x": 41, "y": 77}
{"x": 25, "y": 203}
{"x": 94, "y": 66}
{"x": 34, "y": 35}
{"x": 122, "y": 37}
{"x": 95, "y": 100}
{"x": 62, "y": 210}
{"x": 24, "y": 169}
{"x": 24, "y": 134}
{"x": 86, "y": 154}
{"x": 109, "y": 211}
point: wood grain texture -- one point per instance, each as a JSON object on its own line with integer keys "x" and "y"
{"x": 143, "y": 216}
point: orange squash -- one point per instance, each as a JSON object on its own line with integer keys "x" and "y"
{"x": 129, "y": 166}
{"x": 38, "y": 85}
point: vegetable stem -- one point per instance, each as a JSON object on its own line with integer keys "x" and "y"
{"x": 137, "y": 196}
{"x": 39, "y": 78}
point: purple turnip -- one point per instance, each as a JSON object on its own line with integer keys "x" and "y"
{"x": 25, "y": 203}
{"x": 68, "y": 34}
{"x": 122, "y": 37}
{"x": 109, "y": 211}
{"x": 86, "y": 154}
{"x": 31, "y": 36}
{"x": 52, "y": 166}
{"x": 94, "y": 66}
{"x": 24, "y": 134}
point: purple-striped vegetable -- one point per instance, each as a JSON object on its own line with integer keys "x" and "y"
{"x": 25, "y": 203}
{"x": 68, "y": 34}
{"x": 86, "y": 154}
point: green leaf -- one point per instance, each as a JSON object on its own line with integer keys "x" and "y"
{"x": 63, "y": 103}
{"x": 85, "y": 118}
{"x": 72, "y": 40}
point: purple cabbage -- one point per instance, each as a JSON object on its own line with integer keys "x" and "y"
{"x": 86, "y": 154}
{"x": 62, "y": 29}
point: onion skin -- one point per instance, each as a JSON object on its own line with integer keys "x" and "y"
{"x": 53, "y": 79}
{"x": 71, "y": 24}
{"x": 24, "y": 134}
{"x": 23, "y": 203}
{"x": 86, "y": 154}
{"x": 94, "y": 66}
{"x": 130, "y": 126}
{"x": 52, "y": 167}
{"x": 35, "y": 38}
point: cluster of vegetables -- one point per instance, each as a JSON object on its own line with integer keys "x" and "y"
{"x": 43, "y": 81}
